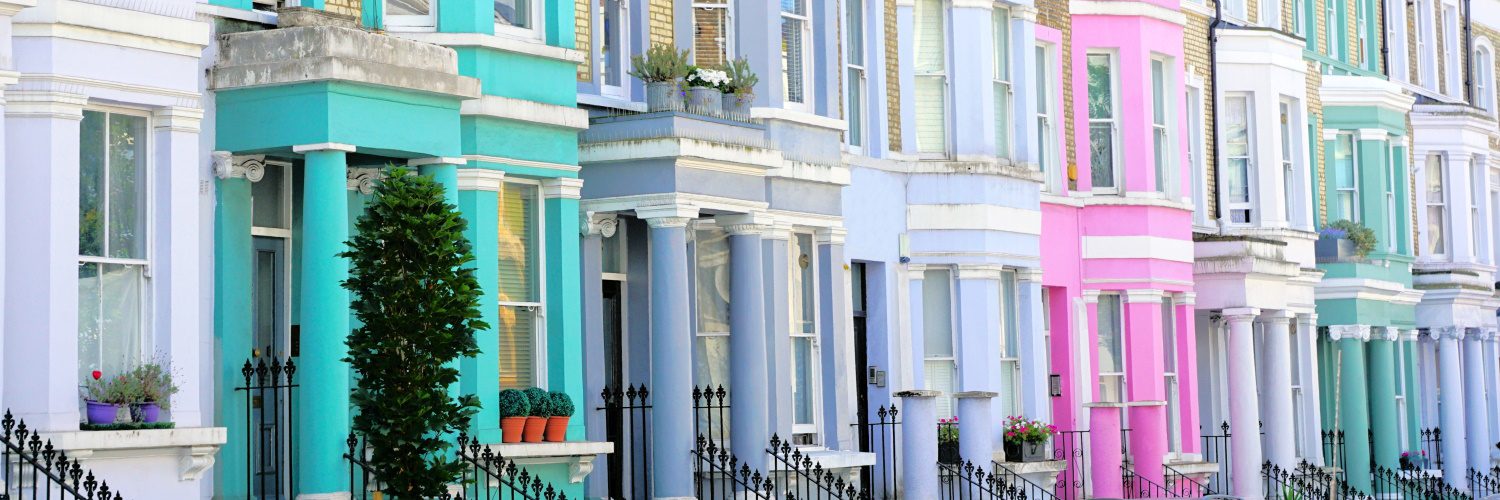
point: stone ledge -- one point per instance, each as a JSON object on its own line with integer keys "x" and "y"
{"x": 195, "y": 446}
{"x": 579, "y": 456}
{"x": 321, "y": 53}
{"x": 1026, "y": 468}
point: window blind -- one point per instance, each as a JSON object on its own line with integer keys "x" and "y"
{"x": 931, "y": 81}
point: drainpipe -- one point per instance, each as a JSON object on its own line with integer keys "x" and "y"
{"x": 1213, "y": 97}
{"x": 1385, "y": 48}
{"x": 1468, "y": 52}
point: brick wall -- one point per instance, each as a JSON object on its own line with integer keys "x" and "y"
{"x": 582, "y": 27}
{"x": 1055, "y": 14}
{"x": 351, "y": 8}
{"x": 1315, "y": 117}
{"x": 892, "y": 77}
{"x": 660, "y": 16}
{"x": 1195, "y": 50}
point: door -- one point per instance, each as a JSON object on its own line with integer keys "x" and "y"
{"x": 267, "y": 406}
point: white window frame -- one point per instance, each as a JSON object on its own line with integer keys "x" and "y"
{"x": 1395, "y": 36}
{"x": 808, "y": 64}
{"x": 1289, "y": 141}
{"x": 1120, "y": 376}
{"x": 1484, "y": 75}
{"x": 952, "y": 358}
{"x": 1046, "y": 118}
{"x": 1426, "y": 45}
{"x": 728, "y": 6}
{"x": 1356, "y": 207}
{"x": 1441, "y": 204}
{"x": 1166, "y": 177}
{"x": 1195, "y": 153}
{"x": 1331, "y": 39}
{"x": 1477, "y": 187}
{"x": 1116, "y": 167}
{"x": 1299, "y": 18}
{"x": 1361, "y": 31}
{"x": 622, "y": 49}
{"x": 856, "y": 77}
{"x": 942, "y": 77}
{"x": 538, "y": 308}
{"x": 1171, "y": 382}
{"x": 422, "y": 23}
{"x": 1236, "y": 10}
{"x": 533, "y": 33}
{"x": 1270, "y": 14}
{"x": 1451, "y": 50}
{"x": 1251, "y": 186}
{"x": 1002, "y": 79}
{"x": 814, "y": 368}
{"x": 148, "y": 164}
{"x": 1009, "y": 355}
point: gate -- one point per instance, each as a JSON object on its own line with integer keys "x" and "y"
{"x": 1072, "y": 447}
{"x": 627, "y": 419}
{"x": 879, "y": 437}
{"x": 269, "y": 451}
{"x": 1216, "y": 450}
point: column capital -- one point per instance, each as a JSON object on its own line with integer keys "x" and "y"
{"x": 228, "y": 166}
{"x": 1373, "y": 134}
{"x": 1476, "y": 334}
{"x": 979, "y": 271}
{"x": 1410, "y": 335}
{"x": 1446, "y": 332}
{"x": 667, "y": 215}
{"x": 830, "y": 235}
{"x": 1237, "y": 314}
{"x": 562, "y": 187}
{"x": 480, "y": 179}
{"x": 45, "y": 104}
{"x": 323, "y": 146}
{"x": 177, "y": 118}
{"x": 1356, "y": 332}
{"x": 1029, "y": 275}
{"x": 362, "y": 179}
{"x": 438, "y": 160}
{"x": 1146, "y": 296}
{"x": 1282, "y": 316}
{"x": 1386, "y": 333}
{"x": 748, "y": 224}
{"x": 1185, "y": 298}
{"x": 1491, "y": 334}
{"x": 593, "y": 224}
{"x": 1025, "y": 13}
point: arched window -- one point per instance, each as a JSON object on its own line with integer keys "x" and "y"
{"x": 1484, "y": 76}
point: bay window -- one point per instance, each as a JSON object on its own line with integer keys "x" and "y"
{"x": 1346, "y": 178}
{"x": 930, "y": 67}
{"x": 939, "y": 366}
{"x": 854, "y": 50}
{"x": 1000, "y": 19}
{"x": 1161, "y": 142}
{"x": 1238, "y": 148}
{"x": 518, "y": 18}
{"x": 1103, "y": 129}
{"x": 113, "y": 231}
{"x": 522, "y": 345}
{"x": 796, "y": 52}
{"x": 1110, "y": 349}
{"x": 804, "y": 343}
{"x": 1437, "y": 201}
{"x": 713, "y": 32}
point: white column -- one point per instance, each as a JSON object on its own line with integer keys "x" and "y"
{"x": 1492, "y": 387}
{"x": 1034, "y": 351}
{"x": 1307, "y": 361}
{"x": 1277, "y": 394}
{"x": 1476, "y": 417}
{"x": 7, "y": 77}
{"x": 919, "y": 468}
{"x": 1459, "y": 191}
{"x": 1244, "y": 411}
{"x": 1451, "y": 409}
{"x": 178, "y": 265}
{"x": 975, "y": 414}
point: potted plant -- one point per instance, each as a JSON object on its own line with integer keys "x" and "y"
{"x": 157, "y": 388}
{"x": 541, "y": 410}
{"x": 1344, "y": 240}
{"x": 738, "y": 87}
{"x": 562, "y": 410}
{"x": 1414, "y": 460}
{"x": 103, "y": 397}
{"x": 514, "y": 410}
{"x": 660, "y": 68}
{"x": 704, "y": 96}
{"x": 948, "y": 441}
{"x": 1026, "y": 440}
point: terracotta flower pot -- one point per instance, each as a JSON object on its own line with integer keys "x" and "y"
{"x": 535, "y": 426}
{"x": 511, "y": 429}
{"x": 557, "y": 429}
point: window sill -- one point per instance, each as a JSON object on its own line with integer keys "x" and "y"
{"x": 797, "y": 116}
{"x": 577, "y": 455}
{"x": 610, "y": 102}
{"x": 195, "y": 445}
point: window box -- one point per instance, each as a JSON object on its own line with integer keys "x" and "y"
{"x": 1335, "y": 250}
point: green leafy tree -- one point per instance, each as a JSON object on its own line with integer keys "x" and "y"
{"x": 419, "y": 306}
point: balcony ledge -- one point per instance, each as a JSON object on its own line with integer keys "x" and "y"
{"x": 578, "y": 455}
{"x": 196, "y": 446}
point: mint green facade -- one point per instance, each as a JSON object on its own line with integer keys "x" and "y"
{"x": 323, "y": 127}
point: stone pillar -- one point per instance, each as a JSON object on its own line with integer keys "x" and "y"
{"x": 1312, "y": 419}
{"x": 478, "y": 199}
{"x": 8, "y": 76}
{"x": 1384, "y": 424}
{"x": 778, "y": 330}
{"x": 323, "y": 407}
{"x": 1143, "y": 367}
{"x": 671, "y": 352}
{"x": 975, "y": 418}
{"x": 919, "y": 469}
{"x": 1035, "y": 400}
{"x": 973, "y": 109}
{"x": 1187, "y": 373}
{"x": 978, "y": 337}
{"x": 1451, "y": 410}
{"x": 838, "y": 344}
{"x": 1276, "y": 394}
{"x": 564, "y": 294}
{"x": 1491, "y": 353}
{"x": 444, "y": 170}
{"x": 1353, "y": 400}
{"x": 595, "y": 227}
{"x": 748, "y": 367}
{"x": 1476, "y": 404}
{"x": 1105, "y": 450}
{"x": 1244, "y": 411}
{"x": 234, "y": 253}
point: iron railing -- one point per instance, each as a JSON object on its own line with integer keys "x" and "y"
{"x": 721, "y": 476}
{"x": 33, "y": 470}
{"x": 1029, "y": 489}
{"x": 1305, "y": 482}
{"x": 1071, "y": 447}
{"x": 1333, "y": 451}
{"x": 1391, "y": 483}
{"x": 803, "y": 478}
{"x": 1432, "y": 446}
{"x": 947, "y": 433}
{"x": 711, "y": 413}
{"x": 880, "y": 438}
{"x": 1134, "y": 485}
{"x": 1216, "y": 450}
{"x": 1180, "y": 484}
{"x": 486, "y": 475}
{"x": 1484, "y": 483}
{"x": 627, "y": 422}
{"x": 268, "y": 428}
{"x": 967, "y": 481}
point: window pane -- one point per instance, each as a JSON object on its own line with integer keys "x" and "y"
{"x": 941, "y": 376}
{"x": 792, "y": 63}
{"x": 1110, "y": 348}
{"x": 1102, "y": 154}
{"x": 1436, "y": 214}
{"x": 267, "y": 198}
{"x": 127, "y": 187}
{"x": 798, "y": 7}
{"x": 711, "y": 361}
{"x": 932, "y": 117}
{"x": 1008, "y": 301}
{"x": 1168, "y": 337}
{"x": 710, "y": 33}
{"x": 407, "y": 7}
{"x": 513, "y": 13}
{"x": 713, "y": 281}
{"x": 855, "y": 108}
{"x": 1000, "y": 19}
{"x": 110, "y": 315}
{"x": 517, "y": 353}
{"x": 91, "y": 184}
{"x": 609, "y": 52}
{"x": 804, "y": 312}
{"x": 1158, "y": 92}
{"x": 855, "y": 45}
{"x": 1101, "y": 87}
{"x": 802, "y": 376}
{"x": 1002, "y": 119}
{"x": 517, "y": 239}
{"x": 937, "y": 310}
{"x": 928, "y": 37}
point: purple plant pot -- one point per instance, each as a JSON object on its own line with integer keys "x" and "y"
{"x": 149, "y": 412}
{"x": 102, "y": 413}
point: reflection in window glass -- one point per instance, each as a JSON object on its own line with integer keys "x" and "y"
{"x": 515, "y": 13}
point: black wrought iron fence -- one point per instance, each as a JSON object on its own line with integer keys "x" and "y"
{"x": 803, "y": 478}
{"x": 1029, "y": 489}
{"x": 31, "y": 469}
{"x": 627, "y": 422}
{"x": 947, "y": 433}
{"x": 722, "y": 476}
{"x": 1432, "y": 446}
{"x": 487, "y": 475}
{"x": 1305, "y": 482}
{"x": 1392, "y": 483}
{"x": 270, "y": 440}
{"x": 966, "y": 481}
{"x": 1134, "y": 485}
{"x": 1484, "y": 483}
{"x": 881, "y": 437}
{"x": 1333, "y": 451}
{"x": 1182, "y": 485}
{"x": 1216, "y": 450}
{"x": 1071, "y": 447}
{"x": 711, "y": 413}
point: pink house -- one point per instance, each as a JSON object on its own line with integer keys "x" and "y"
{"x": 1117, "y": 253}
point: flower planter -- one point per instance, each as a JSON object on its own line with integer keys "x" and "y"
{"x": 737, "y": 105}
{"x": 535, "y": 427}
{"x": 557, "y": 429}
{"x": 102, "y": 413}
{"x": 663, "y": 96}
{"x": 511, "y": 429}
{"x": 948, "y": 453}
{"x": 1334, "y": 250}
{"x": 705, "y": 101}
{"x": 1025, "y": 452}
{"x": 145, "y": 412}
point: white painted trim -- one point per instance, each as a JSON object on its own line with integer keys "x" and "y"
{"x": 113, "y": 26}
{"x": 974, "y": 217}
{"x": 178, "y": 119}
{"x": 561, "y": 167}
{"x": 1366, "y": 289}
{"x": 1373, "y": 134}
{"x": 610, "y": 102}
{"x": 799, "y": 117}
{"x": 974, "y": 4}
{"x": 77, "y": 84}
{"x": 1125, "y": 8}
{"x": 507, "y": 108}
{"x": 1137, "y": 247}
{"x": 497, "y": 42}
{"x": 250, "y": 15}
{"x": 480, "y": 179}
{"x": 11, "y": 7}
{"x": 562, "y": 187}
{"x": 438, "y": 160}
{"x": 47, "y": 104}
{"x": 324, "y": 146}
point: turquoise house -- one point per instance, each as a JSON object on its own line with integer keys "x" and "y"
{"x": 309, "y": 104}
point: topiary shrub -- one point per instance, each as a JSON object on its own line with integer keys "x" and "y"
{"x": 562, "y": 405}
{"x": 541, "y": 403}
{"x": 513, "y": 403}
{"x": 418, "y": 302}
{"x": 1362, "y": 237}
